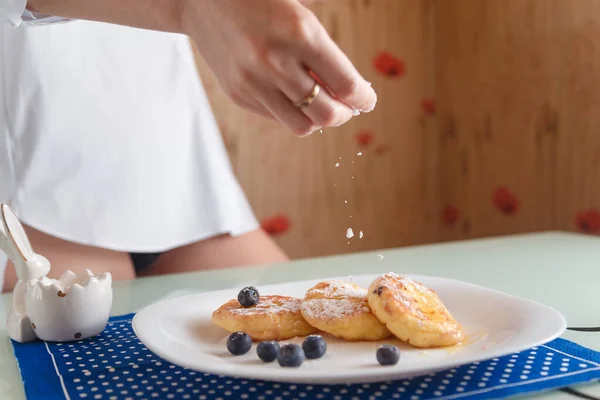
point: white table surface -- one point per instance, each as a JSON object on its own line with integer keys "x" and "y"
{"x": 559, "y": 269}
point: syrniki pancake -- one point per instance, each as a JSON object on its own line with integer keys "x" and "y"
{"x": 273, "y": 318}
{"x": 342, "y": 310}
{"x": 413, "y": 312}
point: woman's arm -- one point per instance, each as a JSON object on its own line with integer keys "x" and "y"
{"x": 266, "y": 54}
{"x": 161, "y": 15}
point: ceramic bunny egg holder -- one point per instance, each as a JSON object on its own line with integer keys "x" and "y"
{"x": 74, "y": 307}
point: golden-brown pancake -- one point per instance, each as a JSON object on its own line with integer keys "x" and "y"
{"x": 342, "y": 310}
{"x": 413, "y": 312}
{"x": 273, "y": 318}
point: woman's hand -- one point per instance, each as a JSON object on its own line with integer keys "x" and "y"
{"x": 267, "y": 56}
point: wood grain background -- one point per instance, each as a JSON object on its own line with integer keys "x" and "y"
{"x": 492, "y": 128}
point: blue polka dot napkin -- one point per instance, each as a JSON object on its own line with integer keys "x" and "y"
{"x": 116, "y": 365}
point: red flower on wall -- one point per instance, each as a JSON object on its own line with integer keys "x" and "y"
{"x": 588, "y": 221}
{"x": 364, "y": 138}
{"x": 505, "y": 201}
{"x": 428, "y": 106}
{"x": 450, "y": 214}
{"x": 388, "y": 65}
{"x": 276, "y": 225}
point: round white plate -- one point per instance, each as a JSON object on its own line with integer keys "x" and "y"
{"x": 180, "y": 331}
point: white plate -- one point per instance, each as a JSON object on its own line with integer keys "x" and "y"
{"x": 180, "y": 331}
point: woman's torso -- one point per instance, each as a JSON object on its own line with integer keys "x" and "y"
{"x": 107, "y": 138}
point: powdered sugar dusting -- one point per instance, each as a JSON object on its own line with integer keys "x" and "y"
{"x": 341, "y": 289}
{"x": 271, "y": 305}
{"x": 409, "y": 285}
{"x": 332, "y": 308}
{"x": 339, "y": 299}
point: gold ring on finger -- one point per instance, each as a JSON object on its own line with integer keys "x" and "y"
{"x": 305, "y": 102}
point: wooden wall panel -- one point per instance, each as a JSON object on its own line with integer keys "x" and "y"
{"x": 518, "y": 88}
{"x": 492, "y": 127}
{"x": 391, "y": 190}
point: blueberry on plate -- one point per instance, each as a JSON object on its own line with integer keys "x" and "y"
{"x": 388, "y": 355}
{"x": 248, "y": 296}
{"x": 290, "y": 355}
{"x": 314, "y": 346}
{"x": 267, "y": 350}
{"x": 239, "y": 343}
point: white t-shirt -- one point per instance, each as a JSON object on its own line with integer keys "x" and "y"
{"x": 107, "y": 137}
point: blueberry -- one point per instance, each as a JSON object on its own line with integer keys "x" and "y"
{"x": 314, "y": 346}
{"x": 290, "y": 355}
{"x": 388, "y": 355}
{"x": 239, "y": 343}
{"x": 248, "y": 296}
{"x": 267, "y": 350}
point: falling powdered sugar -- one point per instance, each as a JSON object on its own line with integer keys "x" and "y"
{"x": 349, "y": 233}
{"x": 360, "y": 234}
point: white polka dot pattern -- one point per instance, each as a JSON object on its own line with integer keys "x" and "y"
{"x": 116, "y": 365}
